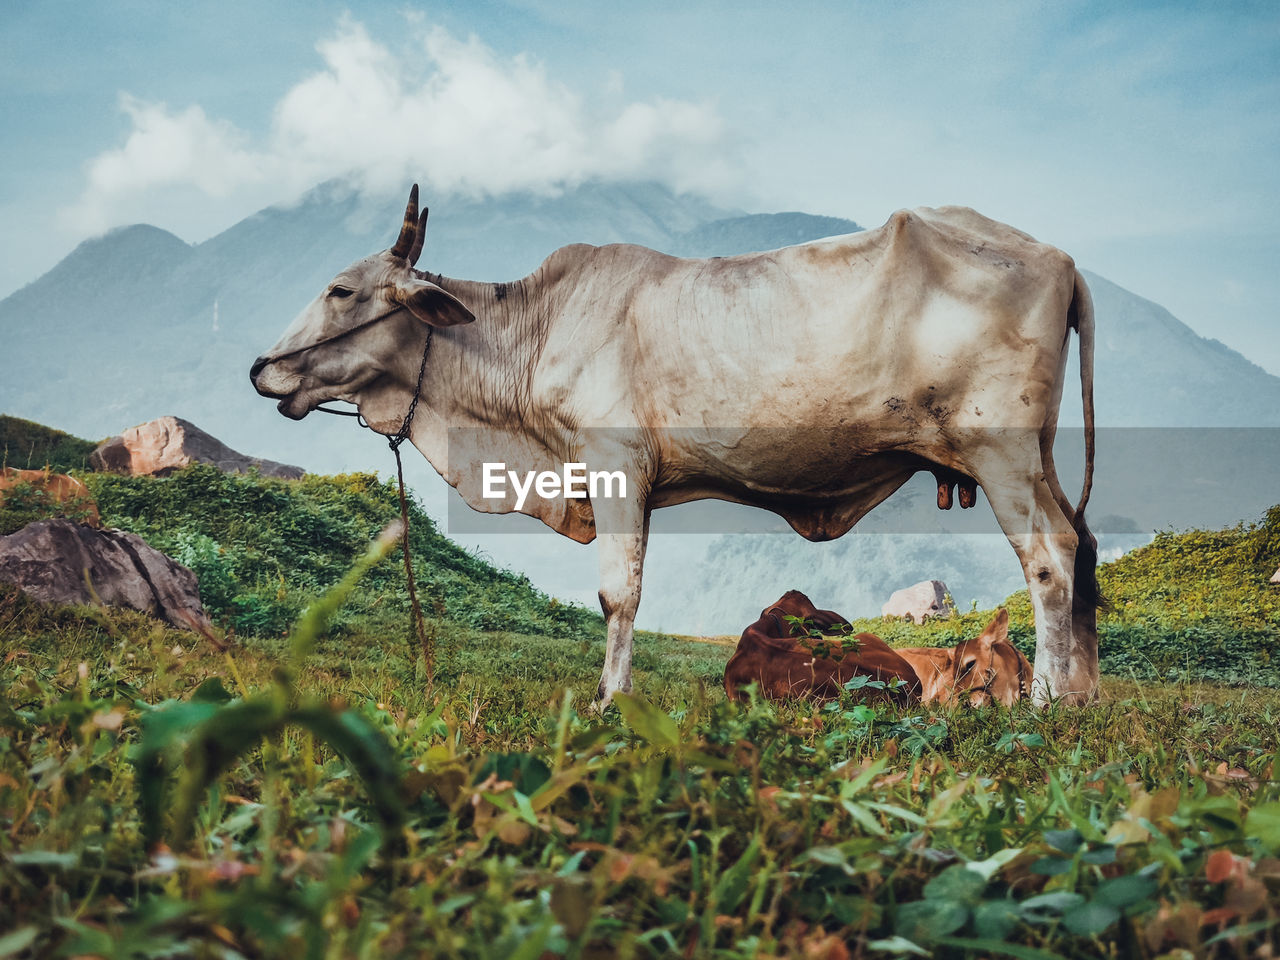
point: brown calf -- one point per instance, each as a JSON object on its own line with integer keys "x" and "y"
{"x": 787, "y": 663}
{"x": 976, "y": 671}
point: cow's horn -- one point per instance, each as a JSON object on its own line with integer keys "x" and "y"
{"x": 409, "y": 231}
{"x": 416, "y": 250}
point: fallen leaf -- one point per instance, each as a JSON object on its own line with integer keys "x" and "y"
{"x": 566, "y": 828}
{"x": 1217, "y": 916}
{"x": 1219, "y": 866}
{"x": 1247, "y": 897}
{"x": 824, "y": 946}
{"x": 514, "y": 832}
{"x": 109, "y": 719}
{"x": 1179, "y": 925}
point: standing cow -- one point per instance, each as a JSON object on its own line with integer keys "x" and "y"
{"x": 812, "y": 381}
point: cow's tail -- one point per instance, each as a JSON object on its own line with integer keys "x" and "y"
{"x": 1087, "y": 593}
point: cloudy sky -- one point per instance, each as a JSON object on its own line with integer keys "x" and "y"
{"x": 1143, "y": 139}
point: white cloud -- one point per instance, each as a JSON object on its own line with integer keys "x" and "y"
{"x": 451, "y": 113}
{"x": 184, "y": 147}
{"x": 166, "y": 151}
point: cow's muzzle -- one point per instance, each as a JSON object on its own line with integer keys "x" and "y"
{"x": 288, "y": 404}
{"x": 257, "y": 369}
{"x": 258, "y": 366}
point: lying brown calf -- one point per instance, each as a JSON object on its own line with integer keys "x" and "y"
{"x": 787, "y": 663}
{"x": 59, "y": 487}
{"x": 976, "y": 671}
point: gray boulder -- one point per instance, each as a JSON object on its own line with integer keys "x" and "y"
{"x": 159, "y": 447}
{"x": 928, "y": 598}
{"x": 1275, "y": 577}
{"x": 48, "y": 560}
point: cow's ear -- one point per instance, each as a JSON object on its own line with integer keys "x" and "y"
{"x": 431, "y": 304}
{"x": 997, "y": 630}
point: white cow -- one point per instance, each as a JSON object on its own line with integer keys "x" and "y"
{"x": 812, "y": 381}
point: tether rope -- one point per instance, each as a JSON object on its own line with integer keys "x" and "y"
{"x": 419, "y": 623}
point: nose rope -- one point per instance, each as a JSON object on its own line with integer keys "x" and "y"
{"x": 338, "y": 336}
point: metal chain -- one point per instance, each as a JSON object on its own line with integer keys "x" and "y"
{"x": 403, "y": 433}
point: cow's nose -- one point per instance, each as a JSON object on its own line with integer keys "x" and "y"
{"x": 257, "y": 369}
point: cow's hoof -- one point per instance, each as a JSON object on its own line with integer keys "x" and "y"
{"x": 604, "y": 696}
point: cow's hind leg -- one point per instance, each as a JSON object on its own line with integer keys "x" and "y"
{"x": 1086, "y": 595}
{"x": 1085, "y": 600}
{"x": 1022, "y": 495}
{"x": 624, "y": 533}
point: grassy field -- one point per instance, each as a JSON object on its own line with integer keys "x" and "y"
{"x": 307, "y": 793}
{"x": 496, "y": 816}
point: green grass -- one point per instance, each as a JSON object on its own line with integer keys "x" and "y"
{"x": 316, "y": 798}
{"x": 532, "y": 827}
{"x": 32, "y": 446}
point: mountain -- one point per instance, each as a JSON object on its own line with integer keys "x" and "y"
{"x": 1155, "y": 371}
{"x": 123, "y": 329}
{"x": 137, "y": 324}
{"x": 757, "y": 231}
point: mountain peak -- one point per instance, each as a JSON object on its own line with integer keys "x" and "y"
{"x": 758, "y": 231}
{"x": 138, "y": 239}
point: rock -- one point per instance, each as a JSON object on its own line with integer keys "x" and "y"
{"x": 928, "y": 598}
{"x": 159, "y": 447}
{"x": 54, "y": 488}
{"x": 1275, "y": 577}
{"x": 48, "y": 560}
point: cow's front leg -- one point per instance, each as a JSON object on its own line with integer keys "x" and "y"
{"x": 622, "y": 533}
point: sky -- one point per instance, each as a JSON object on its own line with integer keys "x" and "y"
{"x": 1143, "y": 139}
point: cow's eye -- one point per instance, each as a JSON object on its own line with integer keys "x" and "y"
{"x": 966, "y": 669}
{"x": 340, "y": 293}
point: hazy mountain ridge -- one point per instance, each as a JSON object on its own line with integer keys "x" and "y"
{"x": 757, "y": 231}
{"x": 122, "y": 331}
{"x": 1154, "y": 370}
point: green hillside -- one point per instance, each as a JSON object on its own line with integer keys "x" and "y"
{"x": 1188, "y": 606}
{"x": 264, "y": 548}
{"x": 32, "y": 446}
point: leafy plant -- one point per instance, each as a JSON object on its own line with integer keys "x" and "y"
{"x": 212, "y": 730}
{"x": 818, "y": 640}
{"x": 26, "y": 502}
